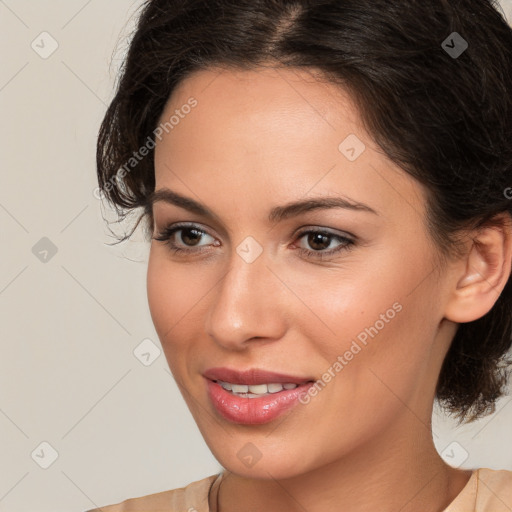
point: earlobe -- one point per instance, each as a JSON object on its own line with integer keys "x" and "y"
{"x": 486, "y": 270}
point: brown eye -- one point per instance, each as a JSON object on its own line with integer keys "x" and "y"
{"x": 190, "y": 236}
{"x": 320, "y": 240}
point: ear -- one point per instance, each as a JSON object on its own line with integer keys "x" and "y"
{"x": 483, "y": 273}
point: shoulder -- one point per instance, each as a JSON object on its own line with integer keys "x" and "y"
{"x": 191, "y": 498}
{"x": 488, "y": 490}
{"x": 494, "y": 490}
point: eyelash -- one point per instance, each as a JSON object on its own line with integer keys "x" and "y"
{"x": 166, "y": 234}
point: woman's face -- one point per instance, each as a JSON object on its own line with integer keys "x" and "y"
{"x": 248, "y": 291}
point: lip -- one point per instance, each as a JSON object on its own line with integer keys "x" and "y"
{"x": 253, "y": 411}
{"x": 253, "y": 376}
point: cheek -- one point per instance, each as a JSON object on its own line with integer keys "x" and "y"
{"x": 168, "y": 299}
{"x": 176, "y": 302}
{"x": 158, "y": 281}
{"x": 171, "y": 293}
{"x": 375, "y": 327}
{"x": 344, "y": 305}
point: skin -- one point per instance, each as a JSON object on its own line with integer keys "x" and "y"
{"x": 262, "y": 138}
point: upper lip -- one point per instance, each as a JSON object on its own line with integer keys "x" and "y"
{"x": 253, "y": 376}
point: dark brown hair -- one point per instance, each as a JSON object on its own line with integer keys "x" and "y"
{"x": 439, "y": 110}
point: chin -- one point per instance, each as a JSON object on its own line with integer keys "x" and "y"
{"x": 255, "y": 459}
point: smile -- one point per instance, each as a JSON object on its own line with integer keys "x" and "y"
{"x": 256, "y": 390}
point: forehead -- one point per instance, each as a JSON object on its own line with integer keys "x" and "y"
{"x": 275, "y": 134}
{"x": 304, "y": 93}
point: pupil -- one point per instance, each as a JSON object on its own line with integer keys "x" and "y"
{"x": 317, "y": 238}
{"x": 194, "y": 239}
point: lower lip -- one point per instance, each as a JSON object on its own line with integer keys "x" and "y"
{"x": 254, "y": 411}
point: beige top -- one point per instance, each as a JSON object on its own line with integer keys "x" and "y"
{"x": 487, "y": 490}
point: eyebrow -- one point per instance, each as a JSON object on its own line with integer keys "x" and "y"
{"x": 278, "y": 213}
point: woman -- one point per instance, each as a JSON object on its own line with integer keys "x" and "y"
{"x": 327, "y": 190}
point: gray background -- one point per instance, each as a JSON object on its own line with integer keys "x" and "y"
{"x": 71, "y": 321}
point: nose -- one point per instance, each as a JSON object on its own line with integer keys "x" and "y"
{"x": 247, "y": 304}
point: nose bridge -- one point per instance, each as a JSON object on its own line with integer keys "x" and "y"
{"x": 245, "y": 305}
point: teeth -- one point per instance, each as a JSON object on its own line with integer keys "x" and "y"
{"x": 239, "y": 388}
{"x": 274, "y": 388}
{"x": 255, "y": 390}
{"x": 258, "y": 389}
{"x": 225, "y": 385}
